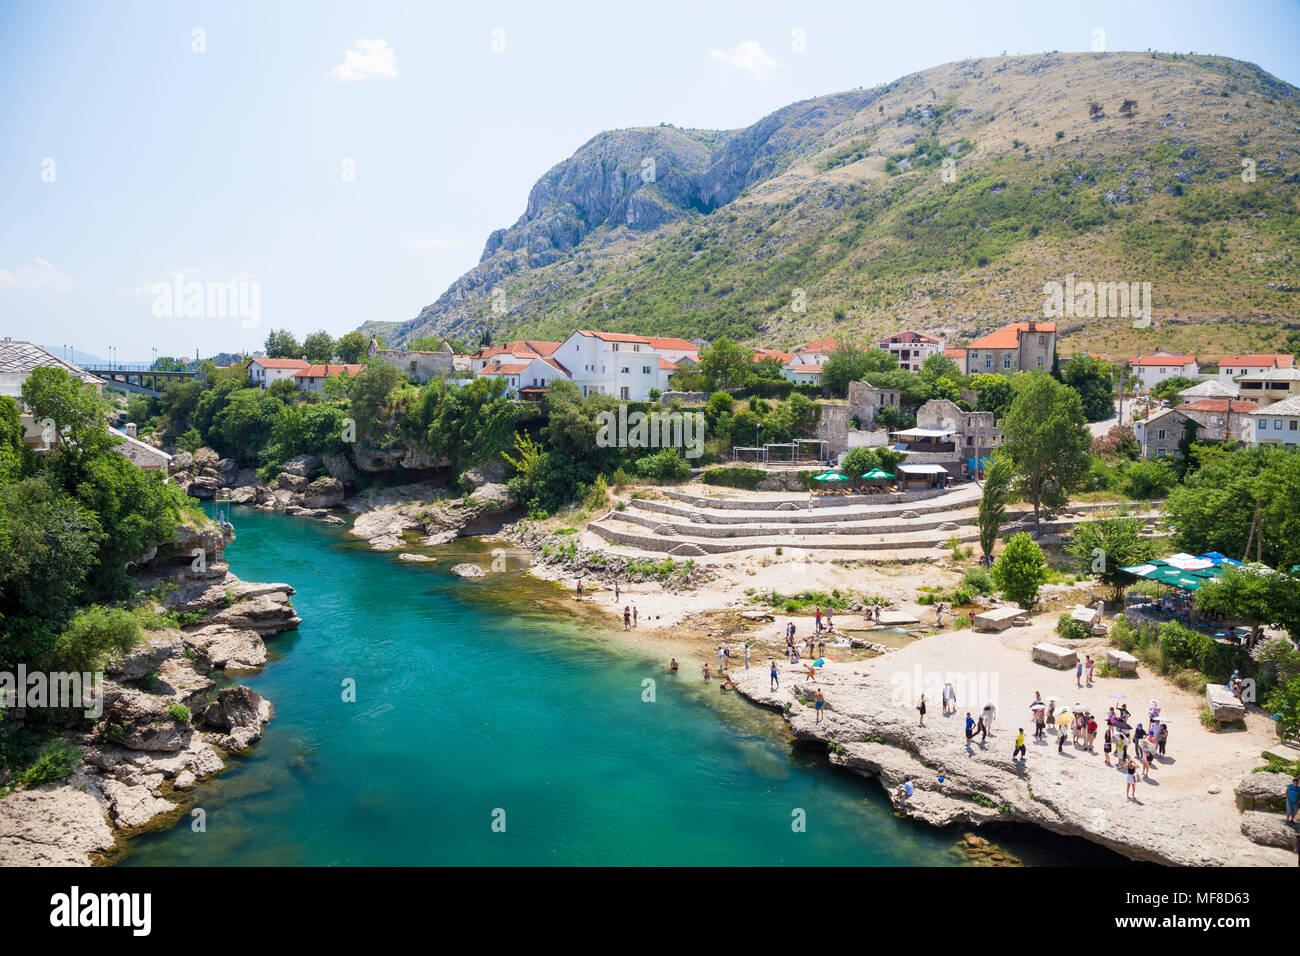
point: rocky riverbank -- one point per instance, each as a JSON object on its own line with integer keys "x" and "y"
{"x": 170, "y": 714}
{"x": 1201, "y": 805}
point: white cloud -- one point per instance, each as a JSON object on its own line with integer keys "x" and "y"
{"x": 370, "y": 58}
{"x": 40, "y": 276}
{"x": 431, "y": 244}
{"x": 748, "y": 57}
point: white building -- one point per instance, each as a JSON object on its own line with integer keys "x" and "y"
{"x": 815, "y": 353}
{"x": 1158, "y": 366}
{"x": 612, "y": 363}
{"x": 512, "y": 353}
{"x": 802, "y": 373}
{"x": 911, "y": 349}
{"x": 264, "y": 371}
{"x": 1276, "y": 424}
{"x": 526, "y": 380}
{"x": 675, "y": 350}
{"x": 1232, "y": 367}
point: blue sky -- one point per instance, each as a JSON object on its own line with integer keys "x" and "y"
{"x": 232, "y": 162}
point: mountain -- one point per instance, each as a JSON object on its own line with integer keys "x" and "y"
{"x": 848, "y": 204}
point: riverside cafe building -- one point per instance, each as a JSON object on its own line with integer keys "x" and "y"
{"x": 1183, "y": 575}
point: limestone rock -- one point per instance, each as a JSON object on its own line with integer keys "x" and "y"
{"x": 133, "y": 805}
{"x": 408, "y": 556}
{"x": 338, "y": 466}
{"x": 229, "y": 648}
{"x": 324, "y": 492}
{"x": 1267, "y": 829}
{"x": 181, "y": 461}
{"x": 54, "y": 825}
{"x": 185, "y": 780}
{"x": 303, "y": 466}
{"x": 468, "y": 571}
{"x": 1122, "y": 663}
{"x": 239, "y": 713}
{"x": 1223, "y": 704}
{"x": 1053, "y": 655}
{"x": 1262, "y": 791}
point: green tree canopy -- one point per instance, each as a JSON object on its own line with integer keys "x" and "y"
{"x": 1020, "y": 570}
{"x": 1045, "y": 435}
{"x": 1103, "y": 546}
{"x": 281, "y": 343}
{"x": 318, "y": 347}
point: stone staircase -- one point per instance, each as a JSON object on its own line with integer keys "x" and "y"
{"x": 891, "y": 529}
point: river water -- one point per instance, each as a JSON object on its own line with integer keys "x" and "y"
{"x": 488, "y": 729}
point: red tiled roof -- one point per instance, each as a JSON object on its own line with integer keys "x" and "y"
{"x": 496, "y": 368}
{"x": 671, "y": 343}
{"x": 1163, "y": 360}
{"x": 955, "y": 353}
{"x": 1008, "y": 337}
{"x": 617, "y": 337}
{"x": 763, "y": 354}
{"x": 1218, "y": 405}
{"x": 280, "y": 363}
{"x": 322, "y": 371}
{"x": 664, "y": 363}
{"x": 824, "y": 345}
{"x": 556, "y": 365}
{"x": 804, "y": 368}
{"x": 1261, "y": 360}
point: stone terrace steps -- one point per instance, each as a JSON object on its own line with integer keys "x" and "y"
{"x": 614, "y": 529}
{"x": 799, "y": 524}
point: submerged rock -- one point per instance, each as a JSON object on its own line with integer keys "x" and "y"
{"x": 468, "y": 571}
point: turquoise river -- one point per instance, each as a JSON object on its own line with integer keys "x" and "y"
{"x": 479, "y": 700}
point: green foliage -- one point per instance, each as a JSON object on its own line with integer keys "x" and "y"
{"x": 1020, "y": 570}
{"x": 77, "y": 414}
{"x": 1284, "y": 701}
{"x": 1094, "y": 380}
{"x": 734, "y": 477}
{"x": 664, "y": 465}
{"x": 1152, "y": 478}
{"x": 978, "y": 579}
{"x": 179, "y": 713}
{"x": 54, "y": 764}
{"x": 725, "y": 365}
{"x": 318, "y": 348}
{"x": 1254, "y": 594}
{"x": 1215, "y": 507}
{"x": 993, "y": 502}
{"x": 281, "y": 343}
{"x": 13, "y": 453}
{"x": 1104, "y": 546}
{"x": 1045, "y": 435}
{"x": 848, "y": 363}
{"x": 351, "y": 348}
{"x": 1070, "y": 629}
{"x": 92, "y": 635}
{"x": 1168, "y": 389}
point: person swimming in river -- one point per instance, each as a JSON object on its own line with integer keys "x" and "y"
{"x": 673, "y": 666}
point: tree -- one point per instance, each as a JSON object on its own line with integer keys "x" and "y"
{"x": 995, "y": 392}
{"x": 351, "y": 348}
{"x": 370, "y": 393}
{"x": 525, "y": 466}
{"x": 1169, "y": 389}
{"x": 858, "y": 461}
{"x": 939, "y": 366}
{"x": 848, "y": 363}
{"x": 1045, "y": 435}
{"x": 1254, "y": 593}
{"x": 1240, "y": 497}
{"x": 318, "y": 348}
{"x": 1104, "y": 546}
{"x": 993, "y": 503}
{"x": 726, "y": 365}
{"x": 1020, "y": 570}
{"x": 13, "y": 452}
{"x": 75, "y": 413}
{"x": 1093, "y": 379}
{"x": 280, "y": 343}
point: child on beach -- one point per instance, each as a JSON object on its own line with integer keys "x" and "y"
{"x": 706, "y": 672}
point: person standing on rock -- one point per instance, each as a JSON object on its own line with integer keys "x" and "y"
{"x": 921, "y": 708}
{"x": 1130, "y": 780}
{"x": 627, "y": 617}
{"x": 1020, "y": 745}
{"x": 1292, "y": 795}
{"x": 746, "y": 656}
{"x": 1106, "y": 745}
{"x": 616, "y": 593}
{"x": 819, "y": 702}
{"x": 970, "y": 729}
{"x": 776, "y": 682}
{"x": 579, "y": 589}
{"x": 989, "y": 713}
{"x": 634, "y": 615}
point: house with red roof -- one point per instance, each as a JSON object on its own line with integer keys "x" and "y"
{"x": 312, "y": 378}
{"x": 1018, "y": 347}
{"x": 528, "y": 380}
{"x": 1232, "y": 367}
{"x": 616, "y": 363}
{"x": 1215, "y": 419}
{"x": 520, "y": 350}
{"x": 263, "y": 371}
{"x": 1151, "y": 370}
